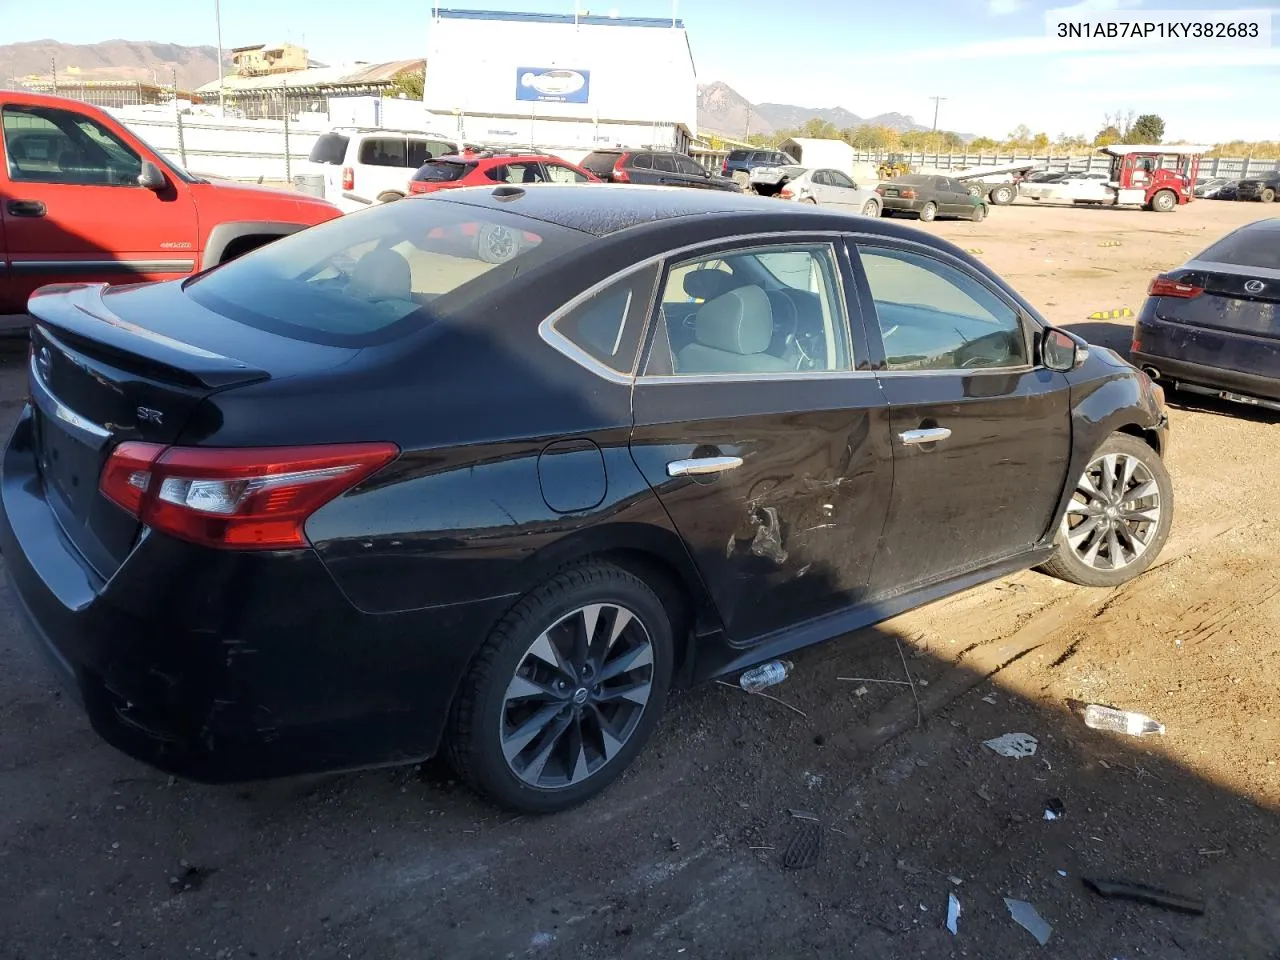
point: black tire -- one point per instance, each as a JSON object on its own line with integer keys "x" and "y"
{"x": 1164, "y": 202}
{"x": 871, "y": 209}
{"x": 1003, "y": 195}
{"x": 1268, "y": 195}
{"x": 473, "y": 740}
{"x": 929, "y": 212}
{"x": 979, "y": 213}
{"x": 1066, "y": 565}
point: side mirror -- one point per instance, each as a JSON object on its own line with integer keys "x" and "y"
{"x": 152, "y": 177}
{"x": 1062, "y": 351}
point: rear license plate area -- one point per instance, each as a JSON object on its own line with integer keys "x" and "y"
{"x": 68, "y": 465}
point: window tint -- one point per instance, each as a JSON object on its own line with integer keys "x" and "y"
{"x": 420, "y": 151}
{"x": 642, "y": 161}
{"x": 57, "y": 146}
{"x": 838, "y": 179}
{"x": 443, "y": 171}
{"x": 766, "y": 310}
{"x": 384, "y": 152}
{"x": 737, "y": 156}
{"x": 689, "y": 167}
{"x": 393, "y": 270}
{"x": 664, "y": 162}
{"x": 1250, "y": 247}
{"x": 600, "y": 162}
{"x": 329, "y": 148}
{"x": 820, "y": 178}
{"x": 516, "y": 173}
{"x": 936, "y": 317}
{"x": 559, "y": 173}
{"x": 607, "y": 325}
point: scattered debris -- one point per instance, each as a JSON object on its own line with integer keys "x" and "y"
{"x": 1141, "y": 893}
{"x": 1054, "y": 809}
{"x": 1119, "y": 721}
{"x": 1062, "y": 873}
{"x": 767, "y": 696}
{"x": 1109, "y": 243}
{"x": 985, "y": 794}
{"x": 897, "y": 683}
{"x": 990, "y": 698}
{"x": 1117, "y": 314}
{"x": 1212, "y": 853}
{"x": 953, "y": 912}
{"x": 1025, "y": 916}
{"x": 766, "y": 675}
{"x": 191, "y": 878}
{"x": 802, "y": 815}
{"x": 813, "y": 780}
{"x": 860, "y": 692}
{"x": 804, "y": 847}
{"x": 956, "y": 880}
{"x": 1014, "y": 745}
{"x": 973, "y": 250}
{"x": 675, "y": 844}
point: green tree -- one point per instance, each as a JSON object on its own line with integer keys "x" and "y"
{"x": 1107, "y": 135}
{"x": 983, "y": 145}
{"x": 1039, "y": 143}
{"x": 1148, "y": 128}
{"x": 1067, "y": 143}
{"x": 819, "y": 129}
{"x": 872, "y": 138}
{"x": 411, "y": 83}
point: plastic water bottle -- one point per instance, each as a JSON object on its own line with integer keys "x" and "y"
{"x": 765, "y": 675}
{"x": 1118, "y": 721}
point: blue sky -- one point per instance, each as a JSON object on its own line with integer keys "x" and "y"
{"x": 989, "y": 58}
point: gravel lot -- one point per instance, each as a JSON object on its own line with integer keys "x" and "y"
{"x": 101, "y": 857}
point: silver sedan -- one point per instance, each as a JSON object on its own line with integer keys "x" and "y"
{"x": 831, "y": 188}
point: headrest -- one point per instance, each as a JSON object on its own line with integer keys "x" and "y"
{"x": 739, "y": 321}
{"x": 706, "y": 283}
{"x": 382, "y": 275}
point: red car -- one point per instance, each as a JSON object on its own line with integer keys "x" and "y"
{"x": 83, "y": 200}
{"x": 487, "y": 169}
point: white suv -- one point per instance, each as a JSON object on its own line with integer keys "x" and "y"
{"x": 363, "y": 166}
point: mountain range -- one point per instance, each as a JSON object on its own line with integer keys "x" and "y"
{"x": 721, "y": 109}
{"x": 145, "y": 60}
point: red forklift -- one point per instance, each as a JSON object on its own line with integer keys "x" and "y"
{"x": 1154, "y": 177}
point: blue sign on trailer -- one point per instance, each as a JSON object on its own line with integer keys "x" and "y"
{"x": 552, "y": 85}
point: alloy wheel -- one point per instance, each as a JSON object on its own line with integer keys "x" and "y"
{"x": 577, "y": 696}
{"x": 1115, "y": 512}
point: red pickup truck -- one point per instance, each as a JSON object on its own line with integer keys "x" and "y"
{"x": 83, "y": 199}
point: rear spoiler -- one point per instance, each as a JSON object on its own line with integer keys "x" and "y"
{"x": 74, "y": 314}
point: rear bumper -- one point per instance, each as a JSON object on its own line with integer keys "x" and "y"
{"x": 218, "y": 666}
{"x": 1186, "y": 374}
{"x": 899, "y": 205}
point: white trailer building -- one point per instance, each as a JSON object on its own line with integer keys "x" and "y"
{"x": 563, "y": 82}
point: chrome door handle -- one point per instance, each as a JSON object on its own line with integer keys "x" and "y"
{"x": 702, "y": 466}
{"x": 913, "y": 437}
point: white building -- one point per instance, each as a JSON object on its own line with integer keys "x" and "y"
{"x": 562, "y": 82}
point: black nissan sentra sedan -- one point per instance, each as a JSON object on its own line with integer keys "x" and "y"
{"x": 1212, "y": 326}
{"x": 489, "y": 472}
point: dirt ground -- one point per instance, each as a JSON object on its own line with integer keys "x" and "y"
{"x": 684, "y": 857}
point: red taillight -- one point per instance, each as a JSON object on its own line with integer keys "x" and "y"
{"x": 785, "y": 193}
{"x": 348, "y": 178}
{"x": 1163, "y": 286}
{"x": 908, "y": 194}
{"x": 724, "y": 170}
{"x": 239, "y": 499}
{"x": 417, "y": 186}
{"x": 1135, "y": 345}
{"x": 620, "y": 174}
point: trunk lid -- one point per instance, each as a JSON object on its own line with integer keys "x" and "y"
{"x": 98, "y": 379}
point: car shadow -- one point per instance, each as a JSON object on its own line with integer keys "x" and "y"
{"x": 1117, "y": 336}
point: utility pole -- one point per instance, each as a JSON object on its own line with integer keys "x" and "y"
{"x": 53, "y": 67}
{"x": 936, "y": 102}
{"x": 747, "y": 133}
{"x": 217, "y": 16}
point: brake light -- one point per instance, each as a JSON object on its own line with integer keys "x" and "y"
{"x": 724, "y": 169}
{"x": 348, "y": 178}
{"x": 236, "y": 498}
{"x": 417, "y": 186}
{"x": 1163, "y": 286}
{"x": 620, "y": 174}
{"x": 908, "y": 194}
{"x": 785, "y": 193}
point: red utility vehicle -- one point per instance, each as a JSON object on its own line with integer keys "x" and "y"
{"x": 1154, "y": 177}
{"x": 82, "y": 199}
{"x": 485, "y": 168}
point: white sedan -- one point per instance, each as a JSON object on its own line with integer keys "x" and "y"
{"x": 831, "y": 188}
{"x": 1084, "y": 187}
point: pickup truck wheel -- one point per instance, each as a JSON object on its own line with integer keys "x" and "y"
{"x": 1268, "y": 195}
{"x": 390, "y": 197}
{"x": 1118, "y": 518}
{"x": 1002, "y": 195}
{"x": 1164, "y": 201}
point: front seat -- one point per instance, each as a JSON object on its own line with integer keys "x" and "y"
{"x": 731, "y": 334}
{"x": 382, "y": 275}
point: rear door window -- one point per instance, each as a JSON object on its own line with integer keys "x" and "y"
{"x": 607, "y": 325}
{"x": 561, "y": 173}
{"x": 330, "y": 148}
{"x": 395, "y": 269}
{"x": 642, "y": 161}
{"x": 385, "y": 152}
{"x": 664, "y": 163}
{"x": 600, "y": 162}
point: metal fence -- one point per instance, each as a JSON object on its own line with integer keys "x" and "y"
{"x": 108, "y": 93}
{"x": 1230, "y": 167}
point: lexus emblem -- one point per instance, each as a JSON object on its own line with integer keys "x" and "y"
{"x": 44, "y": 363}
{"x": 1254, "y": 286}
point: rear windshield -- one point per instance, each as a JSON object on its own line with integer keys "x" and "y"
{"x": 1251, "y": 247}
{"x": 443, "y": 171}
{"x": 600, "y": 162}
{"x": 380, "y": 274}
{"x": 330, "y": 148}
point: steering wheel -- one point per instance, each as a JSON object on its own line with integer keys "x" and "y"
{"x": 976, "y": 361}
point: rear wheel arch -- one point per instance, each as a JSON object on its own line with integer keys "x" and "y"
{"x": 1150, "y": 437}
{"x": 227, "y": 241}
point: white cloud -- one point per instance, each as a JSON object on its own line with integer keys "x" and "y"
{"x": 1000, "y": 8}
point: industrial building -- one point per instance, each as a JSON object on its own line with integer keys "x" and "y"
{"x": 562, "y": 81}
{"x": 273, "y": 94}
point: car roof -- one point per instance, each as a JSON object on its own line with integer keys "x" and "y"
{"x": 602, "y": 210}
